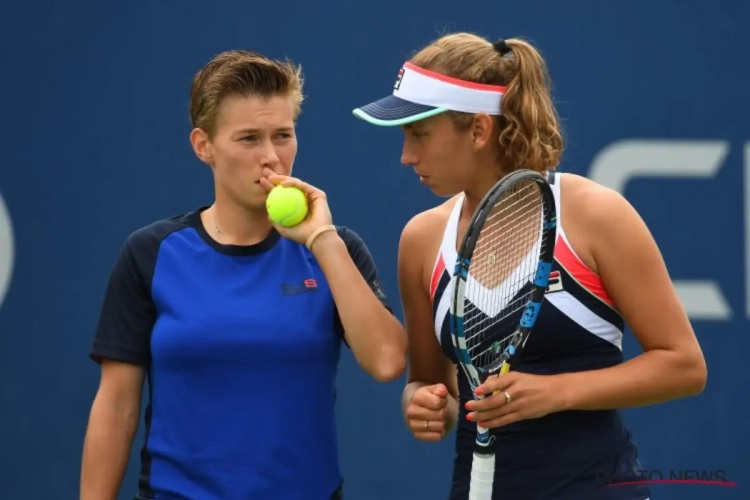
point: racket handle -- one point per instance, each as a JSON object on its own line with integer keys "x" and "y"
{"x": 482, "y": 477}
{"x": 505, "y": 369}
{"x": 483, "y": 466}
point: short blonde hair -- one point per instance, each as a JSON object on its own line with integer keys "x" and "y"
{"x": 530, "y": 131}
{"x": 241, "y": 73}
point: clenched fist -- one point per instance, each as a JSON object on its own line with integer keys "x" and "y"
{"x": 428, "y": 411}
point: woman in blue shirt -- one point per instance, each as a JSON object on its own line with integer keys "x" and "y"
{"x": 237, "y": 324}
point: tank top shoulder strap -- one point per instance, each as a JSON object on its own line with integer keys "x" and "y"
{"x": 446, "y": 256}
{"x": 450, "y": 235}
{"x": 555, "y": 181}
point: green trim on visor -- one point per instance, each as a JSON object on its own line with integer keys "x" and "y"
{"x": 401, "y": 121}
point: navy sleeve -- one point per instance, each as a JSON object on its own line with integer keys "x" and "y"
{"x": 128, "y": 312}
{"x": 364, "y": 261}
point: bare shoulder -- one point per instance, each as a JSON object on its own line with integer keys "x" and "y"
{"x": 591, "y": 203}
{"x": 599, "y": 221}
{"x": 607, "y": 229}
{"x": 429, "y": 224}
{"x": 420, "y": 242}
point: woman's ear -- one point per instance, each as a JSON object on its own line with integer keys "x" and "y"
{"x": 201, "y": 145}
{"x": 481, "y": 131}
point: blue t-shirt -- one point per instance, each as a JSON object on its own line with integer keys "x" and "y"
{"x": 241, "y": 346}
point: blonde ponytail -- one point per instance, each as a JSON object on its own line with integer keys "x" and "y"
{"x": 530, "y": 134}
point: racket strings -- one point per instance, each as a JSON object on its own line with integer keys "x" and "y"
{"x": 488, "y": 248}
{"x": 499, "y": 222}
{"x": 515, "y": 304}
{"x": 486, "y": 255}
{"x": 501, "y": 273}
{"x": 482, "y": 334}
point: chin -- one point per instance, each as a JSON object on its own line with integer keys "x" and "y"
{"x": 256, "y": 205}
{"x": 255, "y": 200}
{"x": 253, "y": 203}
{"x": 441, "y": 192}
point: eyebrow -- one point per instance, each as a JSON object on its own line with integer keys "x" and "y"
{"x": 256, "y": 131}
{"x": 414, "y": 127}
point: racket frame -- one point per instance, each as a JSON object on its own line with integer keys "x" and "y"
{"x": 482, "y": 475}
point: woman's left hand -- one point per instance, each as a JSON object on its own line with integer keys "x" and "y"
{"x": 531, "y": 396}
{"x": 318, "y": 212}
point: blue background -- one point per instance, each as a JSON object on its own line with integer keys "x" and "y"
{"x": 94, "y": 133}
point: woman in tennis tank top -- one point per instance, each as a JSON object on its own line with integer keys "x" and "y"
{"x": 472, "y": 111}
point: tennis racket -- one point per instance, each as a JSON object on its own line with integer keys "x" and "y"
{"x": 499, "y": 281}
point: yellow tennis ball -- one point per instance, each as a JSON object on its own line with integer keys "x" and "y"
{"x": 286, "y": 206}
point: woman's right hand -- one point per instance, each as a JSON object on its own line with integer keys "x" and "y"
{"x": 427, "y": 412}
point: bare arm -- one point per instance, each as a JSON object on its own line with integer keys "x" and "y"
{"x": 375, "y": 336}
{"x": 112, "y": 425}
{"x": 122, "y": 347}
{"x": 426, "y": 363}
{"x": 632, "y": 269}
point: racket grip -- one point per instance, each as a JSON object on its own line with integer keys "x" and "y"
{"x": 505, "y": 369}
{"x": 482, "y": 477}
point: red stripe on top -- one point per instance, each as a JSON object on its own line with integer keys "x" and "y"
{"x": 585, "y": 276}
{"x": 455, "y": 81}
{"x": 437, "y": 273}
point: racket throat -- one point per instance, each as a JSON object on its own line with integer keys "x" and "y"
{"x": 503, "y": 360}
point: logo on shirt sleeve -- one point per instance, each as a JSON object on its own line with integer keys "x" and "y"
{"x": 379, "y": 293}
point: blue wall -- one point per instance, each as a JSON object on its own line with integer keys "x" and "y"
{"x": 94, "y": 135}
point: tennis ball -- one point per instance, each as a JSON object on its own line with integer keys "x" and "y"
{"x": 286, "y": 206}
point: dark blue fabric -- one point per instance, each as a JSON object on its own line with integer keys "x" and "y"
{"x": 393, "y": 108}
{"x": 241, "y": 345}
{"x": 569, "y": 455}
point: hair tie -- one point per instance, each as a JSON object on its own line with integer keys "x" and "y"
{"x": 502, "y": 48}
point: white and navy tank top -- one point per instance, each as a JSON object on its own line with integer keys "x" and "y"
{"x": 571, "y": 455}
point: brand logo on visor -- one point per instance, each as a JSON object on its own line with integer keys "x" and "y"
{"x": 398, "y": 79}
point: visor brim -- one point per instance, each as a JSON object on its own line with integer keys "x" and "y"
{"x": 393, "y": 111}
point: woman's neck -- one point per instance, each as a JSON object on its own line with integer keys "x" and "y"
{"x": 474, "y": 194}
{"x": 231, "y": 224}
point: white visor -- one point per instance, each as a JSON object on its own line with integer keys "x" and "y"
{"x": 419, "y": 94}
